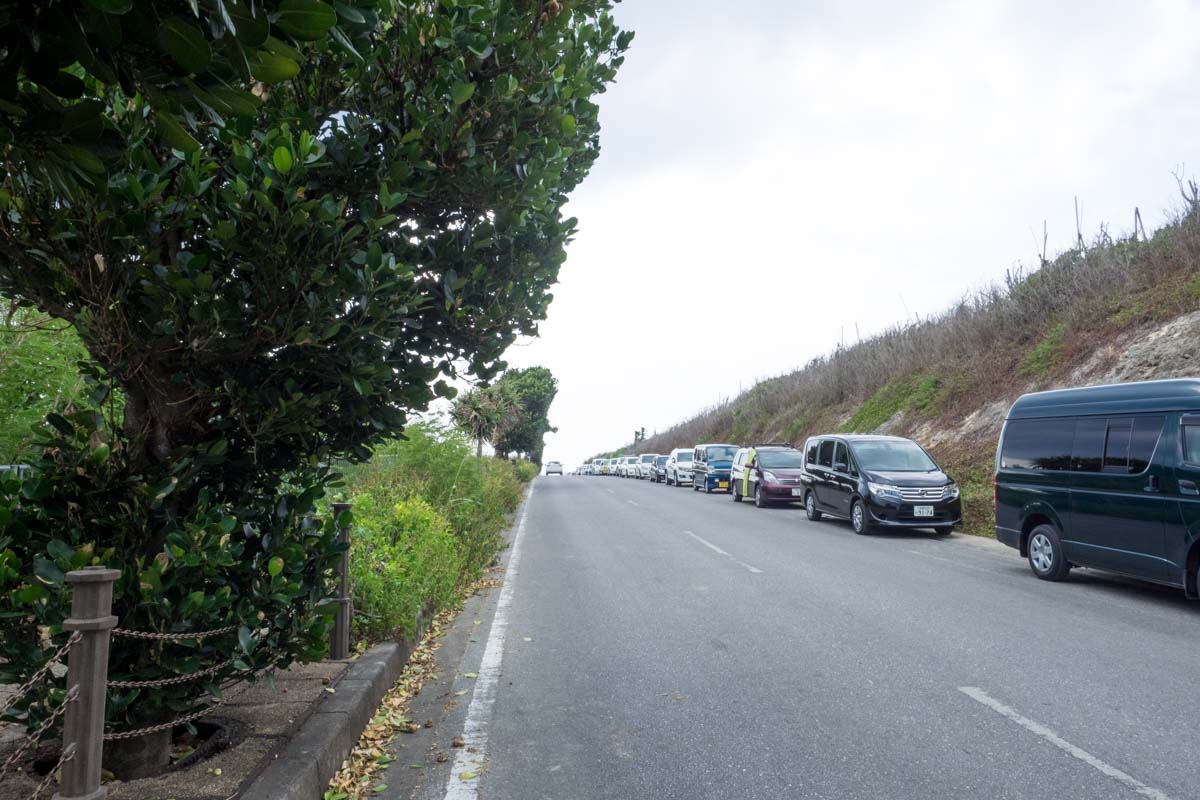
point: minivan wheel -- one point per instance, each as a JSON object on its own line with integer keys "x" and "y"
{"x": 810, "y": 507}
{"x": 858, "y": 518}
{"x": 1046, "y": 554}
{"x": 760, "y": 497}
{"x": 945, "y": 530}
{"x": 733, "y": 487}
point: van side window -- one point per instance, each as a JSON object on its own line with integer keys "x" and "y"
{"x": 1116, "y": 445}
{"x": 825, "y": 454}
{"x": 1088, "y": 453}
{"x": 811, "y": 457}
{"x": 1191, "y": 442}
{"x": 1146, "y": 432}
{"x": 1038, "y": 444}
{"x": 840, "y": 456}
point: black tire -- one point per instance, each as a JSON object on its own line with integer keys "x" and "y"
{"x": 944, "y": 530}
{"x": 810, "y": 507}
{"x": 707, "y": 487}
{"x": 760, "y": 497}
{"x": 859, "y": 519}
{"x": 737, "y": 496}
{"x": 1046, "y": 557}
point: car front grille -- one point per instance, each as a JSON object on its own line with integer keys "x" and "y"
{"x": 916, "y": 494}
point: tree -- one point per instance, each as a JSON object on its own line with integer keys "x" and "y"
{"x": 534, "y": 389}
{"x": 275, "y": 227}
{"x": 482, "y": 413}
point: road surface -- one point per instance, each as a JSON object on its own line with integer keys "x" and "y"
{"x": 653, "y": 642}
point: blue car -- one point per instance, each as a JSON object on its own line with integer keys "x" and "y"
{"x": 710, "y": 467}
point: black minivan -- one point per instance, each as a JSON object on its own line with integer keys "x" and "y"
{"x": 878, "y": 482}
{"x": 1105, "y": 477}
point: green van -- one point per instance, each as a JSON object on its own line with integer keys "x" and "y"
{"x": 1105, "y": 477}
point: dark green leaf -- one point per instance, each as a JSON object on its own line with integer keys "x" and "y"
{"x": 306, "y": 20}
{"x": 185, "y": 44}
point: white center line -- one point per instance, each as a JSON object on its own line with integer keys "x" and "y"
{"x": 632, "y": 503}
{"x": 471, "y": 758}
{"x": 1038, "y": 729}
{"x": 728, "y": 555}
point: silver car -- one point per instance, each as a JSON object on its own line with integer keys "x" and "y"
{"x": 679, "y": 467}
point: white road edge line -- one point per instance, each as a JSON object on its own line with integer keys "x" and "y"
{"x": 980, "y": 696}
{"x": 728, "y": 555}
{"x": 479, "y": 712}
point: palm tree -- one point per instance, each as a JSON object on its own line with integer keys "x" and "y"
{"x": 482, "y": 413}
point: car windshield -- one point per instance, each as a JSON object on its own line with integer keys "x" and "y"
{"x": 660, "y": 461}
{"x": 721, "y": 453}
{"x": 685, "y": 456}
{"x": 781, "y": 459}
{"x": 647, "y": 459}
{"x": 901, "y": 456}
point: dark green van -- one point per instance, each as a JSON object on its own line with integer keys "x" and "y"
{"x": 1105, "y": 477}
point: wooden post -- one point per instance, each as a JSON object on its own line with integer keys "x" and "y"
{"x": 339, "y": 648}
{"x": 87, "y": 669}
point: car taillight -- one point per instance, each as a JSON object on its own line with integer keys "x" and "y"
{"x": 995, "y": 492}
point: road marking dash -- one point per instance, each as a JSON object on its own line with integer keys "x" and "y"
{"x": 728, "y": 555}
{"x": 472, "y": 758}
{"x": 633, "y": 503}
{"x": 1036, "y": 728}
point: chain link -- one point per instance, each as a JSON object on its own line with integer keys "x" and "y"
{"x": 41, "y": 673}
{"x": 72, "y": 695}
{"x": 165, "y": 726}
{"x": 68, "y": 753}
{"x": 172, "y": 637}
{"x": 170, "y": 681}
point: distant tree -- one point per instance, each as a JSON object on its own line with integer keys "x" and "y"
{"x": 276, "y": 227}
{"x": 534, "y": 389}
{"x": 482, "y": 413}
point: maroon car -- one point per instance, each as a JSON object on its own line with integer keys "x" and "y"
{"x": 772, "y": 476}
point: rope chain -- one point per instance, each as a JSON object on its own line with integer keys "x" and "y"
{"x": 170, "y": 681}
{"x": 41, "y": 673}
{"x": 72, "y": 695}
{"x": 68, "y": 753}
{"x": 172, "y": 637}
{"x": 165, "y": 726}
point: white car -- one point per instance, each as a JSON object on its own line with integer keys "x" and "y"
{"x": 627, "y": 466}
{"x": 679, "y": 467}
{"x": 554, "y": 468}
{"x": 645, "y": 466}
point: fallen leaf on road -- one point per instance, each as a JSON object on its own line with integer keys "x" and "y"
{"x": 441, "y": 757}
{"x": 471, "y": 675}
{"x": 528, "y": 639}
{"x": 457, "y": 741}
{"x": 460, "y": 693}
{"x": 467, "y": 776}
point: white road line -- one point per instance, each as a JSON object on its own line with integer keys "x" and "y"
{"x": 479, "y": 713}
{"x": 632, "y": 503}
{"x": 728, "y": 555}
{"x": 1038, "y": 729}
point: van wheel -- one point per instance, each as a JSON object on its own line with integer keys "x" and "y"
{"x": 858, "y": 519}
{"x": 1046, "y": 557}
{"x": 733, "y": 487}
{"x": 810, "y": 507}
{"x": 760, "y": 497}
{"x": 945, "y": 530}
{"x": 707, "y": 487}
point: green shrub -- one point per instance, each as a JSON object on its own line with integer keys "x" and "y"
{"x": 1046, "y": 354}
{"x": 403, "y": 558}
{"x": 527, "y": 471}
{"x": 912, "y": 393}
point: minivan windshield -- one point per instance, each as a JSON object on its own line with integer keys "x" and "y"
{"x": 646, "y": 459}
{"x": 721, "y": 453}
{"x": 893, "y": 456}
{"x": 660, "y": 461}
{"x": 781, "y": 459}
{"x": 686, "y": 455}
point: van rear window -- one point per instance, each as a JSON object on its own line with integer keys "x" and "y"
{"x": 1038, "y": 444}
{"x": 1191, "y": 443}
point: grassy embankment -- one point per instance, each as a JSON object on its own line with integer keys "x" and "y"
{"x": 929, "y": 378}
{"x": 427, "y": 517}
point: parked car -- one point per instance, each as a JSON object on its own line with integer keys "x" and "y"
{"x": 1105, "y": 477}
{"x": 628, "y": 466}
{"x": 660, "y": 469}
{"x": 679, "y": 467}
{"x": 554, "y": 468}
{"x": 710, "y": 466}
{"x": 645, "y": 465}
{"x": 878, "y": 482}
{"x": 770, "y": 473}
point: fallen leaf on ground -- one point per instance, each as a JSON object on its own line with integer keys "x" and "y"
{"x": 467, "y": 776}
{"x": 457, "y": 741}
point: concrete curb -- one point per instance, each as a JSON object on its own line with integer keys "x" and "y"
{"x": 303, "y": 768}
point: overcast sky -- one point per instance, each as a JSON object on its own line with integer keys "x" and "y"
{"x": 775, "y": 173}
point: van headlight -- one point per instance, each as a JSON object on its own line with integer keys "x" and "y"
{"x": 769, "y": 477}
{"x": 951, "y": 491}
{"x": 883, "y": 490}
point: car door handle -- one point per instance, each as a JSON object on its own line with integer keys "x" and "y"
{"x": 1152, "y": 484}
{"x": 1188, "y": 487}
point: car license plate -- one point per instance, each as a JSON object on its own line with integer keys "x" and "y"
{"x": 722, "y": 484}
{"x": 795, "y": 492}
{"x": 922, "y": 511}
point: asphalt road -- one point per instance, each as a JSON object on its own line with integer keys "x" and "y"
{"x": 659, "y": 643}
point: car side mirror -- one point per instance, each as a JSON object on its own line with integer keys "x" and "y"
{"x": 840, "y": 468}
